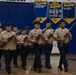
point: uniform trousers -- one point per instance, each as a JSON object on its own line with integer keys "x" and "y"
{"x": 16, "y": 57}
{"x": 63, "y": 51}
{"x": 24, "y": 51}
{"x": 8, "y": 55}
{"x": 47, "y": 50}
{"x": 37, "y": 61}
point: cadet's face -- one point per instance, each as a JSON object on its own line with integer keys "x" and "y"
{"x": 15, "y": 29}
{"x": 37, "y": 26}
{"x": 23, "y": 32}
{"x": 62, "y": 25}
{"x": 48, "y": 24}
{"x": 8, "y": 28}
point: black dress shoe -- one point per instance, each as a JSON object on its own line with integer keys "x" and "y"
{"x": 60, "y": 68}
{"x": 39, "y": 70}
{"x": 66, "y": 69}
{"x": 8, "y": 71}
{"x": 24, "y": 68}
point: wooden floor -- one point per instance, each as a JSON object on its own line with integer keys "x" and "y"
{"x": 54, "y": 71}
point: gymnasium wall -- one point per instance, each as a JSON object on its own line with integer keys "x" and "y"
{"x": 22, "y": 14}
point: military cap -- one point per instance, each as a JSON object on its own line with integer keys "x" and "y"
{"x": 36, "y": 22}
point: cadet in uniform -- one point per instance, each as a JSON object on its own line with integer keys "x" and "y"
{"x": 9, "y": 50}
{"x": 15, "y": 29}
{"x": 0, "y": 53}
{"x": 48, "y": 45}
{"x": 38, "y": 45}
{"x": 0, "y": 43}
{"x": 23, "y": 48}
{"x": 59, "y": 37}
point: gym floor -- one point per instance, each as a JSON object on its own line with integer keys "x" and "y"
{"x": 54, "y": 62}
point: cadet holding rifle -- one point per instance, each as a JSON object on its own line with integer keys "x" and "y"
{"x": 48, "y": 45}
{"x": 9, "y": 49}
{"x": 8, "y": 44}
{"x": 0, "y": 42}
{"x": 59, "y": 37}
{"x": 36, "y": 36}
{"x": 1, "y": 29}
{"x": 15, "y": 29}
{"x": 23, "y": 45}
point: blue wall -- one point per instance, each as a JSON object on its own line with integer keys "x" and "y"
{"x": 22, "y": 14}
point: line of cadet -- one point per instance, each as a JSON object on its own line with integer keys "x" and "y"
{"x": 18, "y": 45}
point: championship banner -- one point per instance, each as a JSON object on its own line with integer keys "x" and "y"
{"x": 40, "y": 10}
{"x": 69, "y": 11}
{"x": 55, "y": 11}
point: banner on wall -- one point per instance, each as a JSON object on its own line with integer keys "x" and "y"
{"x": 55, "y": 11}
{"x": 68, "y": 11}
{"x": 40, "y": 10}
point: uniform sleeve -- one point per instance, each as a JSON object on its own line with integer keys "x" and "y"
{"x": 56, "y": 33}
{"x": 13, "y": 33}
{"x": 67, "y": 30}
{"x": 1, "y": 38}
{"x": 30, "y": 35}
{"x": 70, "y": 34}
